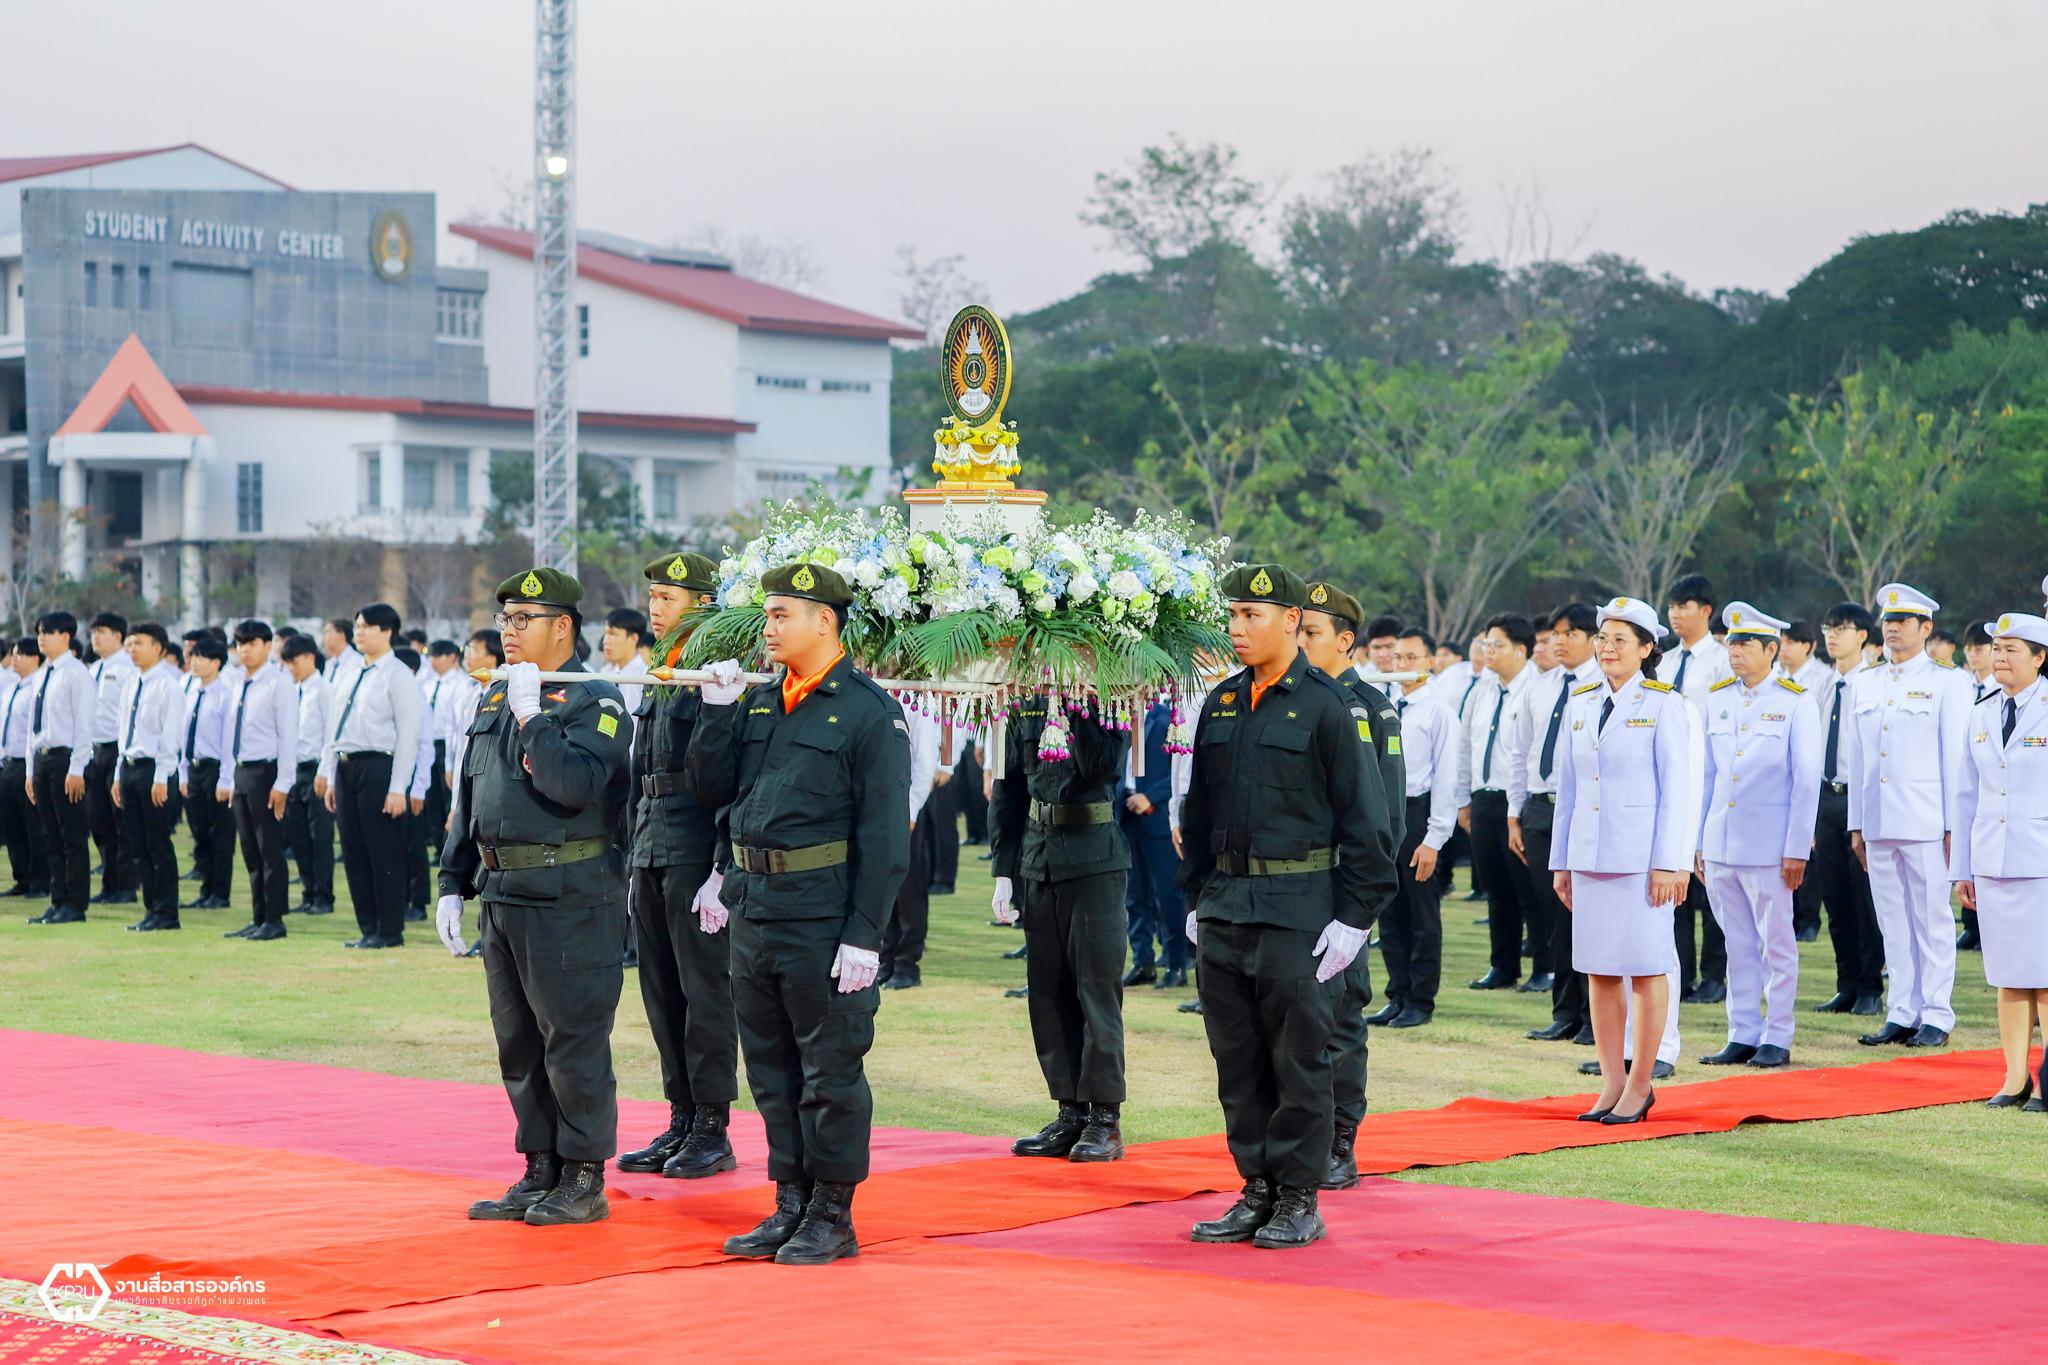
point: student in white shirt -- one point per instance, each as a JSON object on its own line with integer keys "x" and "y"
{"x": 1699, "y": 662}
{"x": 443, "y": 685}
{"x": 1485, "y": 762}
{"x": 1412, "y": 927}
{"x": 150, "y": 710}
{"x": 308, "y": 824}
{"x": 624, "y": 652}
{"x": 111, "y": 670}
{"x": 263, "y": 736}
{"x": 368, "y": 770}
{"x": 202, "y": 754}
{"x": 60, "y": 746}
{"x": 485, "y": 650}
{"x": 19, "y": 828}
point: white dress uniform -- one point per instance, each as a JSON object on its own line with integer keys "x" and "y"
{"x": 1763, "y": 753}
{"x": 1902, "y": 755}
{"x": 2001, "y": 835}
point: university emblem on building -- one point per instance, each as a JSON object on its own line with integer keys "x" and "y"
{"x": 391, "y": 246}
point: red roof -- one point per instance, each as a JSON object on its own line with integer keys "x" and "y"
{"x": 722, "y": 294}
{"x": 474, "y": 412}
{"x": 23, "y": 167}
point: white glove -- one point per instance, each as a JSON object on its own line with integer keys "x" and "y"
{"x": 711, "y": 911}
{"x": 522, "y": 690}
{"x": 1191, "y": 928}
{"x": 1337, "y": 947}
{"x": 1005, "y": 908}
{"x": 448, "y": 920}
{"x": 856, "y": 968}
{"x": 727, "y": 682}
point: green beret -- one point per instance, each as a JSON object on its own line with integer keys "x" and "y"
{"x": 683, "y": 569}
{"x": 1265, "y": 583}
{"x": 541, "y": 588}
{"x": 1328, "y": 597}
{"x": 814, "y": 582}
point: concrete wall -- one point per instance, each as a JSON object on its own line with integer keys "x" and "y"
{"x": 813, "y": 428}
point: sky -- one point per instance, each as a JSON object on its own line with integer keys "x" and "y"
{"x": 1732, "y": 143}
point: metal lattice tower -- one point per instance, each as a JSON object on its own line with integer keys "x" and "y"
{"x": 554, "y": 284}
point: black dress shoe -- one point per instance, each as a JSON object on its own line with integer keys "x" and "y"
{"x": 771, "y": 1232}
{"x": 2036, "y": 1105}
{"x": 1929, "y": 1036}
{"x": 414, "y": 914}
{"x": 1595, "y": 1115}
{"x": 1662, "y": 1071}
{"x": 198, "y": 903}
{"x": 476, "y": 949}
{"x": 1140, "y": 976}
{"x": 163, "y": 922}
{"x": 60, "y": 915}
{"x": 1733, "y": 1054}
{"x": 1476, "y": 894}
{"x": 1707, "y": 993}
{"x": 148, "y": 921}
{"x": 1017, "y": 993}
{"x": 16, "y": 890}
{"x": 1190, "y": 1007}
{"x": 195, "y": 875}
{"x": 1175, "y": 979}
{"x": 2014, "y": 1100}
{"x": 1057, "y": 1138}
{"x": 1584, "y": 1037}
{"x": 1554, "y": 1032}
{"x": 265, "y": 932}
{"x": 1411, "y": 1016}
{"x": 1589, "y": 1068}
{"x": 542, "y": 1171}
{"x": 242, "y": 932}
{"x": 1243, "y": 1219}
{"x": 1017, "y": 953}
{"x": 384, "y": 941}
{"x": 1384, "y": 1015}
{"x": 1807, "y": 933}
{"x": 1614, "y": 1118}
{"x": 903, "y": 979}
{"x": 1539, "y": 982}
{"x": 826, "y": 1233}
{"x": 1839, "y": 1003}
{"x": 1891, "y": 1033}
{"x": 1295, "y": 1221}
{"x": 940, "y": 889}
{"x": 1494, "y": 980}
{"x": 655, "y": 1154}
{"x": 1869, "y": 1006}
{"x": 1103, "y": 1138}
{"x": 357, "y": 942}
{"x": 1771, "y": 1055}
{"x": 1968, "y": 942}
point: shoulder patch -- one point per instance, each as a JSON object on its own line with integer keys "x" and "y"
{"x": 1582, "y": 691}
{"x": 1656, "y": 686}
{"x": 608, "y": 725}
{"x": 1789, "y": 685}
{"x": 1943, "y": 663}
{"x": 1728, "y": 681}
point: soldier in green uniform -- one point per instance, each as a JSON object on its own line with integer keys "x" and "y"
{"x": 542, "y": 788}
{"x": 685, "y": 965}
{"x": 1284, "y": 844}
{"x": 1329, "y": 629}
{"x": 814, "y": 772}
{"x": 1052, "y": 822}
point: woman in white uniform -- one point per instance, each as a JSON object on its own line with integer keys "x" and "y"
{"x": 1999, "y": 855}
{"x": 1628, "y": 809}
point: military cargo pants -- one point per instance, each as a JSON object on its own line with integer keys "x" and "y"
{"x": 554, "y": 980}
{"x": 1348, "y": 1042}
{"x": 1077, "y": 932}
{"x": 686, "y": 984}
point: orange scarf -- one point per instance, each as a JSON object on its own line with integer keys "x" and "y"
{"x": 795, "y": 689}
{"x": 1259, "y": 690}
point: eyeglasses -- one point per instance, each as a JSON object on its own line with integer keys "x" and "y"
{"x": 520, "y": 620}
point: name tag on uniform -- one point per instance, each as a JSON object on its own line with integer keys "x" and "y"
{"x": 1774, "y": 715}
{"x": 1642, "y": 722}
{"x": 760, "y": 710}
{"x": 1222, "y": 715}
{"x": 1919, "y": 696}
{"x": 2034, "y": 741}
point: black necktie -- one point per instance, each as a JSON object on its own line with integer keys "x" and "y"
{"x": 1606, "y": 710}
{"x": 134, "y": 710}
{"x": 1684, "y": 658}
{"x": 1827, "y": 766}
{"x": 192, "y": 726}
{"x": 241, "y": 704}
{"x": 1564, "y": 694}
{"x": 1980, "y": 691}
{"x": 1492, "y": 733}
{"x": 1468, "y": 694}
{"x": 36, "y": 722}
{"x": 361, "y": 674}
{"x": 7, "y": 730}
{"x": 2012, "y": 716}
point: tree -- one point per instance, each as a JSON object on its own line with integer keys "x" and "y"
{"x": 781, "y": 261}
{"x": 1651, "y": 490}
{"x": 31, "y": 586}
{"x": 1430, "y": 481}
{"x": 1174, "y": 200}
{"x": 931, "y": 291}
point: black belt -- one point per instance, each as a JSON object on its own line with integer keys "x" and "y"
{"x": 1551, "y": 797}
{"x": 661, "y": 784}
{"x": 344, "y": 755}
{"x": 1234, "y": 864}
{"x": 1072, "y": 816}
{"x": 773, "y": 860}
{"x": 526, "y": 857}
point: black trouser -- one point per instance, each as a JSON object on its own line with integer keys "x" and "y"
{"x": 373, "y": 850}
{"x": 146, "y": 831}
{"x": 1412, "y": 929}
{"x": 64, "y": 832}
{"x": 910, "y": 918}
{"x": 262, "y": 838}
{"x": 1568, "y": 1003}
{"x": 1349, "y": 1044}
{"x": 1153, "y": 903}
{"x": 939, "y": 827}
{"x": 1841, "y": 883}
{"x": 967, "y": 779}
{"x": 1075, "y": 930}
{"x": 1269, "y": 1023}
{"x": 425, "y": 832}
{"x": 554, "y": 979}
{"x": 1806, "y": 909}
{"x": 22, "y": 830}
{"x": 1510, "y": 899}
{"x": 212, "y": 822}
{"x": 1459, "y": 845}
{"x": 117, "y": 860}
{"x": 1711, "y": 958}
{"x": 686, "y": 985}
{"x": 309, "y": 829}
{"x": 804, "y": 1044}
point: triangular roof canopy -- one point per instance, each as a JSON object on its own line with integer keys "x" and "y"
{"x": 132, "y": 374}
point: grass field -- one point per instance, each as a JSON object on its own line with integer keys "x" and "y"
{"x": 954, "y": 1054}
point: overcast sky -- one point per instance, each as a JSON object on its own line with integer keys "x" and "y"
{"x": 1728, "y": 142}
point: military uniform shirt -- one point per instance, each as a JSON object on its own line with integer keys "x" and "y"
{"x": 1529, "y": 722}
{"x": 2002, "y": 823}
{"x": 1763, "y": 756}
{"x": 671, "y": 829}
{"x": 1025, "y": 848}
{"x": 1904, "y": 736}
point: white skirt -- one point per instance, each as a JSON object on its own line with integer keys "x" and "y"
{"x": 2012, "y": 919}
{"x": 1615, "y": 929}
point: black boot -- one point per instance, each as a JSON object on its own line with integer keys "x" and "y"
{"x": 708, "y": 1150}
{"x": 1056, "y": 1138}
{"x": 826, "y": 1234}
{"x": 542, "y": 1171}
{"x": 1245, "y": 1217}
{"x": 1343, "y": 1172}
{"x": 578, "y": 1197}
{"x": 771, "y": 1232}
{"x": 1295, "y": 1222}
{"x": 655, "y": 1154}
{"x": 1102, "y": 1139}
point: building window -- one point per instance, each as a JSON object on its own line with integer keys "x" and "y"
{"x": 780, "y": 483}
{"x": 249, "y": 498}
{"x": 458, "y": 483}
{"x": 142, "y": 287}
{"x": 667, "y": 495}
{"x": 583, "y": 329}
{"x": 843, "y": 385}
{"x": 119, "y": 280}
{"x": 419, "y": 482}
{"x": 373, "y": 482}
{"x": 458, "y": 315}
{"x": 92, "y": 284}
{"x": 780, "y": 381}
